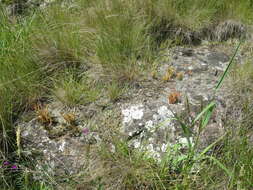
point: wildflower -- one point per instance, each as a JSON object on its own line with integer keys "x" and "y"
{"x": 6, "y": 163}
{"x": 85, "y": 131}
{"x": 14, "y": 167}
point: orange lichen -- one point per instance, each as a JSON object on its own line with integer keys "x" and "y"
{"x": 174, "y": 97}
{"x": 189, "y": 72}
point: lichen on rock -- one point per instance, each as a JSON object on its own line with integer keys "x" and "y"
{"x": 145, "y": 118}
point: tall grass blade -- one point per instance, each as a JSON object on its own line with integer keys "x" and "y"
{"x": 207, "y": 110}
{"x": 230, "y": 63}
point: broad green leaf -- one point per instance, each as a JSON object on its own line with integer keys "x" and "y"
{"x": 207, "y": 117}
{"x": 209, "y": 107}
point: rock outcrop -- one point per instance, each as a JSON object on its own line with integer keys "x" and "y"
{"x": 182, "y": 85}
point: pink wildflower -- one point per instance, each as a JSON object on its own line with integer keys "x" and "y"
{"x": 85, "y": 131}
{"x": 6, "y": 163}
{"x": 14, "y": 167}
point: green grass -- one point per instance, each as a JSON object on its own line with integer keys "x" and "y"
{"x": 119, "y": 38}
{"x": 45, "y": 54}
{"x": 19, "y": 74}
{"x": 71, "y": 91}
{"x": 125, "y": 168}
{"x": 115, "y": 91}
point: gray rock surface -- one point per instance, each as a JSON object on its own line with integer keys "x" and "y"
{"x": 151, "y": 124}
{"x": 146, "y": 115}
{"x": 61, "y": 146}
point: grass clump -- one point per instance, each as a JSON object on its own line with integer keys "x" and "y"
{"x": 115, "y": 91}
{"x": 72, "y": 92}
{"x": 120, "y": 39}
{"x": 121, "y": 167}
{"x": 190, "y": 21}
{"x": 57, "y": 38}
{"x": 20, "y": 76}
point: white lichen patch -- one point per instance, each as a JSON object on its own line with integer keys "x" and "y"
{"x": 184, "y": 142}
{"x": 150, "y": 126}
{"x": 164, "y": 117}
{"x": 161, "y": 120}
{"x": 113, "y": 148}
{"x": 134, "y": 112}
{"x": 148, "y": 140}
{"x": 62, "y": 146}
{"x": 150, "y": 148}
{"x": 137, "y": 144}
{"x": 164, "y": 112}
{"x": 164, "y": 147}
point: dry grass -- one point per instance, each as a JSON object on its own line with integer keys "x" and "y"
{"x": 43, "y": 115}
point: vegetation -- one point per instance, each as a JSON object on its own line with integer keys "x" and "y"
{"x": 45, "y": 53}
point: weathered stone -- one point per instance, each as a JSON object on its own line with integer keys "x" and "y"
{"x": 145, "y": 115}
{"x": 151, "y": 126}
{"x": 62, "y": 147}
